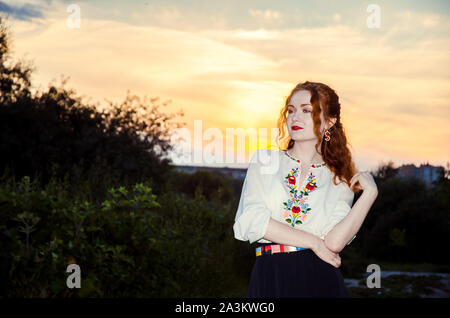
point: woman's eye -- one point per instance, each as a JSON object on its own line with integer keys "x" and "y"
{"x": 290, "y": 111}
{"x": 306, "y": 111}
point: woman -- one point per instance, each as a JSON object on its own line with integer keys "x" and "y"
{"x": 300, "y": 213}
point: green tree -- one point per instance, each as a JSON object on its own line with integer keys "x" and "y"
{"x": 55, "y": 131}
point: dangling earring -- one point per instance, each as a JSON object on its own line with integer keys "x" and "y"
{"x": 327, "y": 135}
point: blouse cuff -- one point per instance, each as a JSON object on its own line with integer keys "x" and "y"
{"x": 251, "y": 226}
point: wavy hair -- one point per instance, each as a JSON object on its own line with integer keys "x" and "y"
{"x": 335, "y": 152}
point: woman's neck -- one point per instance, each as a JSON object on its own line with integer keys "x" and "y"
{"x": 306, "y": 152}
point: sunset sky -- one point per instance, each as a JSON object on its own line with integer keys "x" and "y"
{"x": 231, "y": 63}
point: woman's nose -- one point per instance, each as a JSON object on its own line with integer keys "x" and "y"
{"x": 299, "y": 117}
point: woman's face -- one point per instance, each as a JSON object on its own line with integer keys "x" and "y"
{"x": 299, "y": 118}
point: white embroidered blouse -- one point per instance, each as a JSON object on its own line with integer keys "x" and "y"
{"x": 272, "y": 188}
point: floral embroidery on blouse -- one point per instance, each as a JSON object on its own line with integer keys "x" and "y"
{"x": 296, "y": 208}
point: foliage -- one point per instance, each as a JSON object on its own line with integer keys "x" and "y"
{"x": 399, "y": 286}
{"x": 54, "y": 130}
{"x": 408, "y": 222}
{"x": 212, "y": 186}
{"x": 129, "y": 245}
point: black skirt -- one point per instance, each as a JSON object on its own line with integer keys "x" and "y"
{"x": 295, "y": 274}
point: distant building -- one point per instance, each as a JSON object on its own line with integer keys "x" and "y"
{"x": 425, "y": 172}
{"x": 235, "y": 173}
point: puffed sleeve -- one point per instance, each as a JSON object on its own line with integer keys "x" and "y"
{"x": 252, "y": 216}
{"x": 340, "y": 211}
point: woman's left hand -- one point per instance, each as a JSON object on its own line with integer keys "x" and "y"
{"x": 365, "y": 180}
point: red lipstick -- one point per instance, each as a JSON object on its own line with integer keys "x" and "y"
{"x": 296, "y": 127}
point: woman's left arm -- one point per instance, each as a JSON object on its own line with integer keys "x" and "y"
{"x": 345, "y": 230}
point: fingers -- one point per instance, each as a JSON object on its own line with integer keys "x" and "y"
{"x": 328, "y": 256}
{"x": 353, "y": 180}
{"x": 337, "y": 264}
{"x": 338, "y": 261}
{"x": 352, "y": 184}
{"x": 357, "y": 176}
{"x": 335, "y": 261}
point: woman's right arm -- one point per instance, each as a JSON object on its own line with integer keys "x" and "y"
{"x": 287, "y": 235}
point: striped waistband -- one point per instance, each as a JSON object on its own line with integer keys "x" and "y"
{"x": 276, "y": 248}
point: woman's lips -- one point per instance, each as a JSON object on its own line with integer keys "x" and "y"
{"x": 296, "y": 127}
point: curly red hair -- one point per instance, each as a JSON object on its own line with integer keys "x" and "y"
{"x": 335, "y": 152}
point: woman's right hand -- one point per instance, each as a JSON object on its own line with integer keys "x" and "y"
{"x": 321, "y": 250}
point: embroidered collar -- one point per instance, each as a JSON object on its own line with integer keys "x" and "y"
{"x": 314, "y": 165}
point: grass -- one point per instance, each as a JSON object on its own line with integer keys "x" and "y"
{"x": 423, "y": 267}
{"x": 398, "y": 286}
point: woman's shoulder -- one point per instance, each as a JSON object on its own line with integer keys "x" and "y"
{"x": 344, "y": 190}
{"x": 264, "y": 153}
{"x": 265, "y": 156}
{"x": 268, "y": 160}
{"x": 340, "y": 185}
